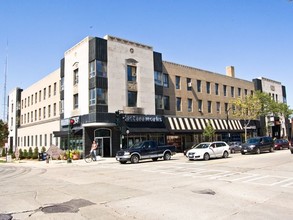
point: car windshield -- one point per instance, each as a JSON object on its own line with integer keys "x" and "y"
{"x": 201, "y": 146}
{"x": 136, "y": 146}
{"x": 253, "y": 140}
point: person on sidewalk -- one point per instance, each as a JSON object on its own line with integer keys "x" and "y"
{"x": 94, "y": 150}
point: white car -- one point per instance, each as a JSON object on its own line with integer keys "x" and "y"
{"x": 207, "y": 150}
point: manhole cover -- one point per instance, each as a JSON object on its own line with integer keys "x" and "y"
{"x": 58, "y": 209}
{"x": 5, "y": 217}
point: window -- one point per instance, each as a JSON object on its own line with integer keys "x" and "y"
{"x": 75, "y": 101}
{"x": 166, "y": 80}
{"x": 131, "y": 73}
{"x": 92, "y": 69}
{"x": 55, "y": 88}
{"x": 49, "y": 111}
{"x": 40, "y": 114}
{"x": 159, "y": 102}
{"x": 225, "y": 90}
{"x": 208, "y": 84}
{"x": 32, "y": 116}
{"x": 62, "y": 106}
{"x": 36, "y": 115}
{"x": 178, "y": 104}
{"x": 49, "y": 92}
{"x": 32, "y": 100}
{"x": 102, "y": 69}
{"x": 41, "y": 140}
{"x": 158, "y": 78}
{"x": 32, "y": 140}
{"x": 92, "y": 97}
{"x": 166, "y": 103}
{"x": 28, "y": 101}
{"x": 226, "y": 108}
{"x": 24, "y": 118}
{"x": 51, "y": 139}
{"x": 44, "y": 112}
{"x": 198, "y": 83}
{"x": 45, "y": 93}
{"x": 199, "y": 103}
{"x": 189, "y": 105}
{"x": 28, "y": 117}
{"x": 12, "y": 107}
{"x": 62, "y": 84}
{"x": 25, "y": 103}
{"x": 45, "y": 139}
{"x": 36, "y": 140}
{"x": 177, "y": 79}
{"x": 189, "y": 84}
{"x": 218, "y": 107}
{"x": 54, "y": 109}
{"x": 132, "y": 99}
{"x": 40, "y": 96}
{"x": 209, "y": 107}
{"x": 239, "y": 91}
{"x": 102, "y": 96}
{"x": 216, "y": 88}
{"x": 21, "y": 104}
{"x": 75, "y": 76}
{"x": 232, "y": 91}
{"x": 245, "y": 92}
{"x": 36, "y": 97}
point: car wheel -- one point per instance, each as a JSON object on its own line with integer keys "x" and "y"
{"x": 167, "y": 156}
{"x": 258, "y": 150}
{"x": 272, "y": 149}
{"x": 232, "y": 151}
{"x": 242, "y": 153}
{"x": 206, "y": 156}
{"x": 134, "y": 159}
{"x": 225, "y": 154}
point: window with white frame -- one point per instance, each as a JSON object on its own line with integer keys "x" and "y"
{"x": 92, "y": 97}
{"x": 131, "y": 73}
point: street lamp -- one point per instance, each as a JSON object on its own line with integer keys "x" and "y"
{"x": 228, "y": 128}
{"x": 127, "y": 132}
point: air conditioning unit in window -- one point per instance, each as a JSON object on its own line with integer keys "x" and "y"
{"x": 189, "y": 84}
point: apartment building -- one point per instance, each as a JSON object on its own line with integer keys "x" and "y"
{"x": 157, "y": 100}
{"x": 34, "y": 114}
{"x": 275, "y": 126}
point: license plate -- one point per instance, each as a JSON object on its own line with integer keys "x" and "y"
{"x": 244, "y": 150}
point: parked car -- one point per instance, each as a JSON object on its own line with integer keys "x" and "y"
{"x": 258, "y": 145}
{"x": 145, "y": 150}
{"x": 280, "y": 144}
{"x": 291, "y": 149}
{"x": 207, "y": 150}
{"x": 235, "y": 147}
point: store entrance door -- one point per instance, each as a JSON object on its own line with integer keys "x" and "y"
{"x": 103, "y": 138}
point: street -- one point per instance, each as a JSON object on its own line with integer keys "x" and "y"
{"x": 239, "y": 187}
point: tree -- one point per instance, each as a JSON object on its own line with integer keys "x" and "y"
{"x": 251, "y": 107}
{"x": 209, "y": 132}
{"x": 3, "y": 133}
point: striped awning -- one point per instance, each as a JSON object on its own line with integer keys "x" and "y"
{"x": 199, "y": 124}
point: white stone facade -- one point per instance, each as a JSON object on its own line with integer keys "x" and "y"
{"x": 39, "y": 114}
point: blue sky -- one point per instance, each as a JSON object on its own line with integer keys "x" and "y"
{"x": 254, "y": 36}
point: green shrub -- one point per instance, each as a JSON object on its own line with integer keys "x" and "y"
{"x": 30, "y": 153}
{"x": 43, "y": 149}
{"x": 21, "y": 154}
{"x": 36, "y": 153}
{"x": 25, "y": 154}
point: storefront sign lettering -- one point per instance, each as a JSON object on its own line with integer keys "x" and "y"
{"x": 143, "y": 118}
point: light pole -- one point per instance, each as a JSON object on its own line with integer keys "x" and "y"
{"x": 228, "y": 128}
{"x": 127, "y": 132}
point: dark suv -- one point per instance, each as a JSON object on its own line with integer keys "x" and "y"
{"x": 258, "y": 145}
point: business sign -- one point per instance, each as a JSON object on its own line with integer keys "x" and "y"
{"x": 143, "y": 118}
{"x": 65, "y": 122}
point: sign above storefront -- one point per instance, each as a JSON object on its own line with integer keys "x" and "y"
{"x": 143, "y": 118}
{"x": 65, "y": 122}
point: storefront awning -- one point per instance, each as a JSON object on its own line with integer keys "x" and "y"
{"x": 184, "y": 124}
